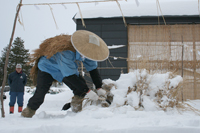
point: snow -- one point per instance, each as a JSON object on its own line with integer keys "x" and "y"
{"x": 117, "y": 118}
{"x": 145, "y": 8}
{"x": 115, "y": 46}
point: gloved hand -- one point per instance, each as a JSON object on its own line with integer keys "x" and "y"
{"x": 101, "y": 92}
{"x": 92, "y": 95}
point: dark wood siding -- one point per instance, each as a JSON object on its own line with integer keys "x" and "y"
{"x": 113, "y": 32}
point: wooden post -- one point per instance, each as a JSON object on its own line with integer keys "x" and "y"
{"x": 194, "y": 61}
{"x": 7, "y": 56}
{"x": 128, "y": 49}
{"x": 182, "y": 65}
{"x": 182, "y": 55}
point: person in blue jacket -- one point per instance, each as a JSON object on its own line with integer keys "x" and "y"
{"x": 17, "y": 80}
{"x": 56, "y": 59}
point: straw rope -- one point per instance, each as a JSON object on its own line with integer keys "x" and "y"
{"x": 19, "y": 20}
{"x": 198, "y": 8}
{"x": 122, "y": 13}
{"x": 110, "y": 63}
{"x": 77, "y": 3}
{"x": 68, "y": 2}
{"x": 81, "y": 15}
{"x": 53, "y": 16}
{"x": 158, "y": 12}
{"x": 161, "y": 12}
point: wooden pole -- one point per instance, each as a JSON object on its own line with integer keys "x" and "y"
{"x": 7, "y": 56}
{"x": 194, "y": 61}
{"x": 182, "y": 65}
{"x": 182, "y": 56}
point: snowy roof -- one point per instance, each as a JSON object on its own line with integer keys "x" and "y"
{"x": 145, "y": 8}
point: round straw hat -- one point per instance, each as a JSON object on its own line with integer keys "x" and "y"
{"x": 90, "y": 45}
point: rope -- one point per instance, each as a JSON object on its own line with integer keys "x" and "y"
{"x": 161, "y": 12}
{"x": 20, "y": 22}
{"x": 81, "y": 15}
{"x": 68, "y": 2}
{"x": 82, "y": 69}
{"x": 110, "y": 63}
{"x": 53, "y": 16}
{"x": 198, "y": 8}
{"x": 77, "y": 3}
{"x": 158, "y": 12}
{"x": 122, "y": 13}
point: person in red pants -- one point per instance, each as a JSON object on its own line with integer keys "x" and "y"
{"x": 17, "y": 80}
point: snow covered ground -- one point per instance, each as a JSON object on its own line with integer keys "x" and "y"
{"x": 95, "y": 119}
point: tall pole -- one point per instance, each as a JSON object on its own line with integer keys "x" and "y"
{"x": 7, "y": 56}
{"x": 182, "y": 66}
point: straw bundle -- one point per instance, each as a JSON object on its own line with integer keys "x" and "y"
{"x": 48, "y": 48}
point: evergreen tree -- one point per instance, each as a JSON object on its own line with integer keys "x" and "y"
{"x": 2, "y": 63}
{"x": 18, "y": 55}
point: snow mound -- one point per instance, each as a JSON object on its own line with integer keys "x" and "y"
{"x": 144, "y": 91}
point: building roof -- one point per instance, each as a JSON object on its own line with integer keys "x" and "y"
{"x": 145, "y": 8}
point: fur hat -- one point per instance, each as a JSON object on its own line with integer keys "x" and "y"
{"x": 90, "y": 45}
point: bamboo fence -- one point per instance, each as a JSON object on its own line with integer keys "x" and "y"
{"x": 164, "y": 48}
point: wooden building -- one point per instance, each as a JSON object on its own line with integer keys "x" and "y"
{"x": 164, "y": 39}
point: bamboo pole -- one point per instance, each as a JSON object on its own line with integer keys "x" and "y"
{"x": 182, "y": 66}
{"x": 194, "y": 60}
{"x": 7, "y": 56}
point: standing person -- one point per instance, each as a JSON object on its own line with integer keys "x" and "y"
{"x": 56, "y": 60}
{"x": 17, "y": 80}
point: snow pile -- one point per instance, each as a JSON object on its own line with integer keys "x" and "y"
{"x": 144, "y": 91}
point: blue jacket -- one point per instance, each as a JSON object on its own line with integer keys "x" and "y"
{"x": 63, "y": 64}
{"x": 17, "y": 81}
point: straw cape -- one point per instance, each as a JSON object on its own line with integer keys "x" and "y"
{"x": 90, "y": 45}
{"x": 48, "y": 48}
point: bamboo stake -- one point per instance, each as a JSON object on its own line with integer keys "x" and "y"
{"x": 7, "y": 56}
{"x": 182, "y": 66}
{"x": 194, "y": 60}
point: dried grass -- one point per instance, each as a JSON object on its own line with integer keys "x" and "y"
{"x": 171, "y": 93}
{"x": 48, "y": 48}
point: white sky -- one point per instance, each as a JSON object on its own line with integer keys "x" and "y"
{"x": 38, "y": 20}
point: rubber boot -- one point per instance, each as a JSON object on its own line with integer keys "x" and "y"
{"x": 20, "y": 109}
{"x": 11, "y": 109}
